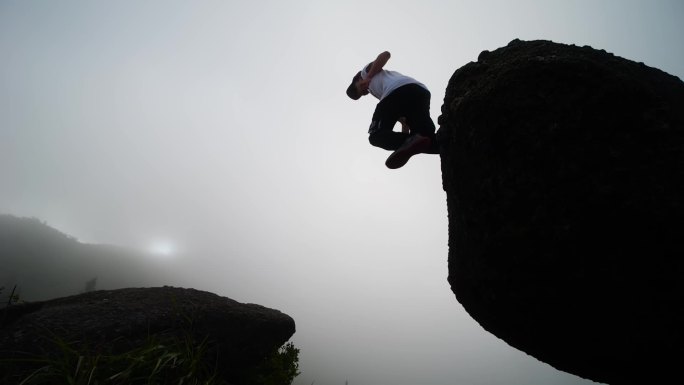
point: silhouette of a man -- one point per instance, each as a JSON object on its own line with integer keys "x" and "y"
{"x": 402, "y": 99}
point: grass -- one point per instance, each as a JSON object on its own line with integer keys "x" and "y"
{"x": 174, "y": 361}
{"x": 279, "y": 368}
{"x": 178, "y": 361}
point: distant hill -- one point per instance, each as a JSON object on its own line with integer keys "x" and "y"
{"x": 45, "y": 263}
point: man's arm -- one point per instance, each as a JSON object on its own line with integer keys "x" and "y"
{"x": 375, "y": 68}
{"x": 378, "y": 64}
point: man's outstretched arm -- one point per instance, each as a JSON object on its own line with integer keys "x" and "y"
{"x": 378, "y": 64}
{"x": 374, "y": 68}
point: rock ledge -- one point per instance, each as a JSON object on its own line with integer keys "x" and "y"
{"x": 564, "y": 173}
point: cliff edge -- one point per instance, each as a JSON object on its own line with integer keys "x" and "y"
{"x": 564, "y": 173}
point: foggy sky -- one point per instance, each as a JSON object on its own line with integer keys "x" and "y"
{"x": 219, "y": 131}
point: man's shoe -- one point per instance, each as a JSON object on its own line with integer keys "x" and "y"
{"x": 413, "y": 145}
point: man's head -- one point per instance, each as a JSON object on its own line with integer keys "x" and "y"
{"x": 354, "y": 91}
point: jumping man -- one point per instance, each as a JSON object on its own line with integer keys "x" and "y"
{"x": 403, "y": 99}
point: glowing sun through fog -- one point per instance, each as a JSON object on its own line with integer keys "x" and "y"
{"x": 162, "y": 248}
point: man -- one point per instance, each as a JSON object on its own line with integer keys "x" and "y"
{"x": 402, "y": 99}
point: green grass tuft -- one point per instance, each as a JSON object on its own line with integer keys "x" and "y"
{"x": 279, "y": 368}
{"x": 175, "y": 361}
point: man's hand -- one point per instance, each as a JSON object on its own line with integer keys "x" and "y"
{"x": 364, "y": 84}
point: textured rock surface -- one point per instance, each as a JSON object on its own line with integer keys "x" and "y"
{"x": 564, "y": 173}
{"x": 241, "y": 333}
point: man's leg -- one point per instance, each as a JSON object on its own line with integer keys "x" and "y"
{"x": 387, "y": 139}
{"x": 417, "y": 109}
{"x": 415, "y": 144}
{"x": 381, "y": 131}
{"x": 413, "y": 102}
{"x": 406, "y": 101}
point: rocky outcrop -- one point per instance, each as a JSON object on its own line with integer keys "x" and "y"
{"x": 564, "y": 173}
{"x": 238, "y": 335}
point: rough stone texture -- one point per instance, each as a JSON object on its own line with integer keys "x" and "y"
{"x": 564, "y": 173}
{"x": 242, "y": 334}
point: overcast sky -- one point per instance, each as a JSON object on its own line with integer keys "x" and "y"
{"x": 218, "y": 134}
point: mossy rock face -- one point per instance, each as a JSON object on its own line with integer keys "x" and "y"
{"x": 236, "y": 336}
{"x": 564, "y": 173}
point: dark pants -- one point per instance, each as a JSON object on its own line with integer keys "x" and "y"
{"x": 410, "y": 101}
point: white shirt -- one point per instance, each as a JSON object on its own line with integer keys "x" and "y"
{"x": 384, "y": 82}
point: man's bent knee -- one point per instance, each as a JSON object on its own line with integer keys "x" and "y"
{"x": 387, "y": 140}
{"x": 382, "y": 140}
{"x": 374, "y": 139}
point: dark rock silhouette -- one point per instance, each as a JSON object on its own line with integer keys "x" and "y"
{"x": 239, "y": 335}
{"x": 564, "y": 173}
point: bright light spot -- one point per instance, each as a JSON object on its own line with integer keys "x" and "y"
{"x": 162, "y": 248}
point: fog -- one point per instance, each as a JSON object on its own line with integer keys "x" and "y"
{"x": 216, "y": 137}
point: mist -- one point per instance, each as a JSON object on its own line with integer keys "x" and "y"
{"x": 212, "y": 142}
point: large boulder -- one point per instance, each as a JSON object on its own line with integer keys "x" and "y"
{"x": 237, "y": 335}
{"x": 564, "y": 173}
